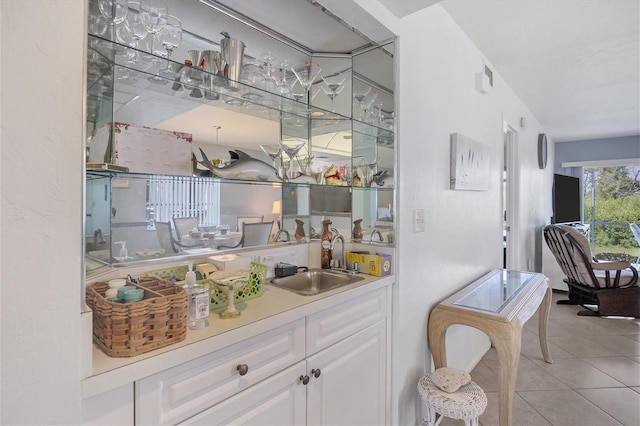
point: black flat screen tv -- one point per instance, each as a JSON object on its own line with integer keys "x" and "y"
{"x": 566, "y": 199}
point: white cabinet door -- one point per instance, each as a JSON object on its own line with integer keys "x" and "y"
{"x": 278, "y": 400}
{"x": 351, "y": 387}
{"x": 176, "y": 394}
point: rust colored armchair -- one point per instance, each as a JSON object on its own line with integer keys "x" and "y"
{"x": 611, "y": 286}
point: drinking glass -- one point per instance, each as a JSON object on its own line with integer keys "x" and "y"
{"x": 137, "y": 28}
{"x": 115, "y": 11}
{"x": 332, "y": 87}
{"x": 170, "y": 37}
{"x": 273, "y": 151}
{"x": 306, "y": 75}
{"x": 292, "y": 152}
{"x": 358, "y": 96}
{"x": 153, "y": 14}
{"x": 158, "y": 51}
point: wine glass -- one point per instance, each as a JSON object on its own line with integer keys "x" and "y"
{"x": 158, "y": 51}
{"x": 332, "y": 87}
{"x": 170, "y": 37}
{"x": 154, "y": 15}
{"x": 306, "y": 75}
{"x": 137, "y": 29}
{"x": 115, "y": 11}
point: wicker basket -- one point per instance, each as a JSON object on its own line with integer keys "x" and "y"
{"x": 130, "y": 329}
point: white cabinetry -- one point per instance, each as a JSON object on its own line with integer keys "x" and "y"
{"x": 278, "y": 400}
{"x": 178, "y": 393}
{"x": 350, "y": 388}
{"x": 340, "y": 378}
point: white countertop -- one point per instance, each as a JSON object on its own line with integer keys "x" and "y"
{"x": 274, "y": 308}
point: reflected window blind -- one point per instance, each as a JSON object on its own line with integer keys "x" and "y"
{"x": 181, "y": 196}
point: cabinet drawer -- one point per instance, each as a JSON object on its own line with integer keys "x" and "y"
{"x": 279, "y": 400}
{"x": 334, "y": 324}
{"x": 178, "y": 393}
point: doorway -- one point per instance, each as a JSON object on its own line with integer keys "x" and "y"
{"x": 509, "y": 198}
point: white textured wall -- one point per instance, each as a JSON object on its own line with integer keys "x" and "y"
{"x": 41, "y": 93}
{"x": 463, "y": 238}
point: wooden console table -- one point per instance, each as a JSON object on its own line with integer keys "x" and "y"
{"x": 498, "y": 303}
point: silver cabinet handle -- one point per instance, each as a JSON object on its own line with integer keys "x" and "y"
{"x": 304, "y": 380}
{"x": 316, "y": 372}
{"x": 242, "y": 369}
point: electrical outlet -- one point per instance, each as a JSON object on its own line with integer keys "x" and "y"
{"x": 419, "y": 220}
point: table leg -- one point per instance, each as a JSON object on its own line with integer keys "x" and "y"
{"x": 436, "y": 334}
{"x": 543, "y": 319}
{"x": 508, "y": 348}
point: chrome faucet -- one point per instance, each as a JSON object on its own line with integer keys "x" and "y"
{"x": 374, "y": 232}
{"x": 313, "y": 234}
{"x": 337, "y": 237}
{"x": 276, "y": 237}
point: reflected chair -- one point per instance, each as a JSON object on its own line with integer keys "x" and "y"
{"x": 231, "y": 220}
{"x": 611, "y": 286}
{"x": 635, "y": 228}
{"x": 184, "y": 225}
{"x": 254, "y": 234}
{"x": 248, "y": 219}
{"x": 168, "y": 242}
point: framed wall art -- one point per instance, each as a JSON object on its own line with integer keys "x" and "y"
{"x": 469, "y": 164}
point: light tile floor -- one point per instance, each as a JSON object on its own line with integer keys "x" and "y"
{"x": 594, "y": 379}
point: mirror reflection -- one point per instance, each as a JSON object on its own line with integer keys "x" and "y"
{"x": 324, "y": 126}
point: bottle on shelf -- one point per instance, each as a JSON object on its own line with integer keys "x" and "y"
{"x": 357, "y": 229}
{"x": 199, "y": 300}
{"x": 299, "y": 234}
{"x": 325, "y": 241}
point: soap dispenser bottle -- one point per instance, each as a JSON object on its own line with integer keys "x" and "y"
{"x": 325, "y": 241}
{"x": 124, "y": 253}
{"x": 198, "y": 296}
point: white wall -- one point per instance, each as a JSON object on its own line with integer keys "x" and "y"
{"x": 41, "y": 177}
{"x": 42, "y": 45}
{"x": 463, "y": 240}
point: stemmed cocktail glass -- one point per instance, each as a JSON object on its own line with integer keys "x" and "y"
{"x": 306, "y": 75}
{"x": 292, "y": 152}
{"x": 273, "y": 151}
{"x": 332, "y": 87}
{"x": 359, "y": 96}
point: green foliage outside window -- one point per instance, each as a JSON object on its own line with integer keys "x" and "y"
{"x": 616, "y": 202}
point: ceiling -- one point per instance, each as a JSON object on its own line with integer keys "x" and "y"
{"x": 574, "y": 63}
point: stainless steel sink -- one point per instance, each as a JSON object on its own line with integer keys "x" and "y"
{"x": 314, "y": 281}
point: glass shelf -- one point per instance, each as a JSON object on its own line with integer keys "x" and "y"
{"x": 104, "y": 54}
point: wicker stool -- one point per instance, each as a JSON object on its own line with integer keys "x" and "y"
{"x": 467, "y": 403}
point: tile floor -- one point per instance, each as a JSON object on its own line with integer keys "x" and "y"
{"x": 594, "y": 378}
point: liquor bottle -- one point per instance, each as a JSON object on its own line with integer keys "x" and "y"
{"x": 325, "y": 241}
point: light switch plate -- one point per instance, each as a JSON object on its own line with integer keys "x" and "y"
{"x": 418, "y": 220}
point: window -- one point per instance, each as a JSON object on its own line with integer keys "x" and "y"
{"x": 177, "y": 196}
{"x": 611, "y": 203}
